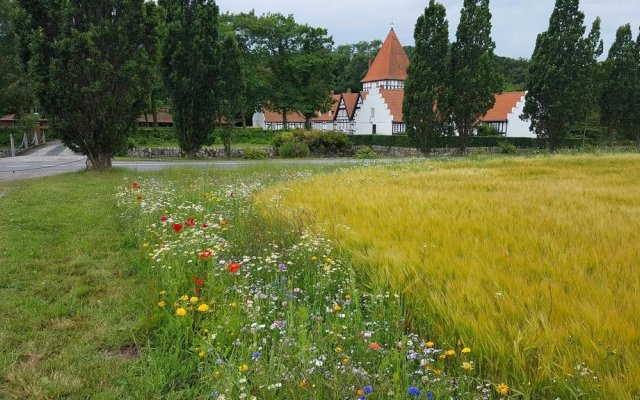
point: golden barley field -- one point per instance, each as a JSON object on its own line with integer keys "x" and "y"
{"x": 533, "y": 262}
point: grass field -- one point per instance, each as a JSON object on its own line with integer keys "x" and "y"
{"x": 532, "y": 261}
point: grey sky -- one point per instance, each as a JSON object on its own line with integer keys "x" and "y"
{"x": 516, "y": 23}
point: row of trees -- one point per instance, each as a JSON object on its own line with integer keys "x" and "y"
{"x": 450, "y": 86}
{"x": 567, "y": 87}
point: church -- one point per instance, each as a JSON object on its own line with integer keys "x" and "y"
{"x": 377, "y": 109}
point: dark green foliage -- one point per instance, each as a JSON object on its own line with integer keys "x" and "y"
{"x": 161, "y": 137}
{"x": 251, "y": 153}
{"x": 620, "y": 100}
{"x": 294, "y": 58}
{"x": 366, "y": 153}
{"x": 561, "y": 87}
{"x": 190, "y": 66}
{"x": 514, "y": 73}
{"x": 92, "y": 64}
{"x": 474, "y": 81}
{"x": 294, "y": 149}
{"x": 232, "y": 87}
{"x": 454, "y": 141}
{"x": 17, "y": 94}
{"x": 5, "y": 136}
{"x": 507, "y": 148}
{"x": 352, "y": 64}
{"x": 425, "y": 108}
{"x": 487, "y": 130}
{"x": 319, "y": 143}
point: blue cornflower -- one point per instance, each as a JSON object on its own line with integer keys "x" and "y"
{"x": 214, "y": 394}
{"x": 414, "y": 391}
{"x": 282, "y": 267}
{"x": 430, "y": 395}
{"x": 368, "y": 389}
{"x": 256, "y": 355}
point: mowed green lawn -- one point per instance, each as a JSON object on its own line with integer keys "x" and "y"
{"x": 534, "y": 262}
{"x": 72, "y": 299}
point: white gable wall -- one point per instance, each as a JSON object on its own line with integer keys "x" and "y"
{"x": 517, "y": 127}
{"x": 381, "y": 115}
{"x": 259, "y": 120}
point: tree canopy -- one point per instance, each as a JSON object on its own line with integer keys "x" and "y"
{"x": 91, "y": 63}
{"x": 474, "y": 81}
{"x": 352, "y": 64}
{"x": 297, "y": 58}
{"x": 425, "y": 107}
{"x": 561, "y": 73}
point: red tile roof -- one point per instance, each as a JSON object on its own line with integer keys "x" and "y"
{"x": 163, "y": 118}
{"x": 505, "y": 103}
{"x": 271, "y": 116}
{"x": 330, "y": 116}
{"x": 391, "y": 62}
{"x": 350, "y": 101}
{"x": 394, "y": 98}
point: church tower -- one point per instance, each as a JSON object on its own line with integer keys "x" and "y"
{"x": 389, "y": 68}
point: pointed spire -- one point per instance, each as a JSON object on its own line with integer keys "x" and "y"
{"x": 390, "y": 63}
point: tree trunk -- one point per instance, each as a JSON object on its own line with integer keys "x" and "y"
{"x": 285, "y": 126}
{"x": 244, "y": 119}
{"x": 154, "y": 111}
{"x": 227, "y": 136}
{"x": 307, "y": 123}
{"x": 99, "y": 161}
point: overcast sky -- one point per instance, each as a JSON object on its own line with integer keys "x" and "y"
{"x": 516, "y": 23}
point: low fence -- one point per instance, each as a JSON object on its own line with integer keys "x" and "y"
{"x": 13, "y": 148}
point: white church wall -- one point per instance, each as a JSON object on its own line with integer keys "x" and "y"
{"x": 517, "y": 127}
{"x": 374, "y": 111}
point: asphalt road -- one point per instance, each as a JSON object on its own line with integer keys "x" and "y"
{"x": 55, "y": 158}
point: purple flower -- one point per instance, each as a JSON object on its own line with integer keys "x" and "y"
{"x": 256, "y": 355}
{"x": 368, "y": 389}
{"x": 430, "y": 395}
{"x": 414, "y": 391}
{"x": 282, "y": 267}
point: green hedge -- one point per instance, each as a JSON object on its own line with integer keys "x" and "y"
{"x": 153, "y": 137}
{"x": 455, "y": 141}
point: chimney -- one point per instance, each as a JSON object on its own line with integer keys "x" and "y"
{"x": 349, "y": 90}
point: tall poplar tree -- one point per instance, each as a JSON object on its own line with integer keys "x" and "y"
{"x": 620, "y": 99}
{"x": 560, "y": 71}
{"x": 190, "y": 64}
{"x": 425, "y": 108}
{"x": 474, "y": 80}
{"x": 232, "y": 87}
{"x": 91, "y": 61}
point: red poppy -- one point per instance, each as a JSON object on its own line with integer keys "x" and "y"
{"x": 138, "y": 197}
{"x": 197, "y": 281}
{"x": 233, "y": 267}
{"x": 205, "y": 225}
{"x": 190, "y": 222}
{"x": 135, "y": 185}
{"x": 205, "y": 254}
{"x": 163, "y": 218}
{"x": 177, "y": 227}
{"x": 375, "y": 346}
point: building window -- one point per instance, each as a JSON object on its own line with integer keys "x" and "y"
{"x": 373, "y": 112}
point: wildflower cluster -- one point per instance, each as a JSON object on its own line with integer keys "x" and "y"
{"x": 271, "y": 313}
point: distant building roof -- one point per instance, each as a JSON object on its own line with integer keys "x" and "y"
{"x": 394, "y": 98}
{"x": 390, "y": 63}
{"x": 505, "y": 103}
{"x": 293, "y": 117}
{"x": 350, "y": 101}
{"x": 331, "y": 115}
{"x": 163, "y": 118}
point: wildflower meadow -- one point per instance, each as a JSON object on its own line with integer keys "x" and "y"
{"x": 246, "y": 309}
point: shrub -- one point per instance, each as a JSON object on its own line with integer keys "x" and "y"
{"x": 282, "y": 138}
{"x": 507, "y": 148}
{"x": 294, "y": 149}
{"x": 487, "y": 130}
{"x": 252, "y": 153}
{"x": 319, "y": 143}
{"x": 366, "y": 153}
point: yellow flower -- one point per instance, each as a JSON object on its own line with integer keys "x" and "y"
{"x": 145, "y": 245}
{"x": 450, "y": 353}
{"x": 467, "y": 366}
{"x": 216, "y": 374}
{"x": 194, "y": 300}
{"x": 184, "y": 297}
{"x": 466, "y": 350}
{"x": 202, "y": 353}
{"x": 347, "y": 296}
{"x": 181, "y": 312}
{"x": 337, "y": 308}
{"x": 163, "y": 293}
{"x": 314, "y": 258}
{"x": 430, "y": 345}
{"x": 346, "y": 360}
{"x": 203, "y": 307}
{"x": 234, "y": 305}
{"x": 328, "y": 259}
{"x": 338, "y": 350}
{"x": 503, "y": 389}
{"x": 161, "y": 304}
{"x": 243, "y": 368}
{"x": 359, "y": 392}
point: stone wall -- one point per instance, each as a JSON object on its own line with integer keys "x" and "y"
{"x": 152, "y": 152}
